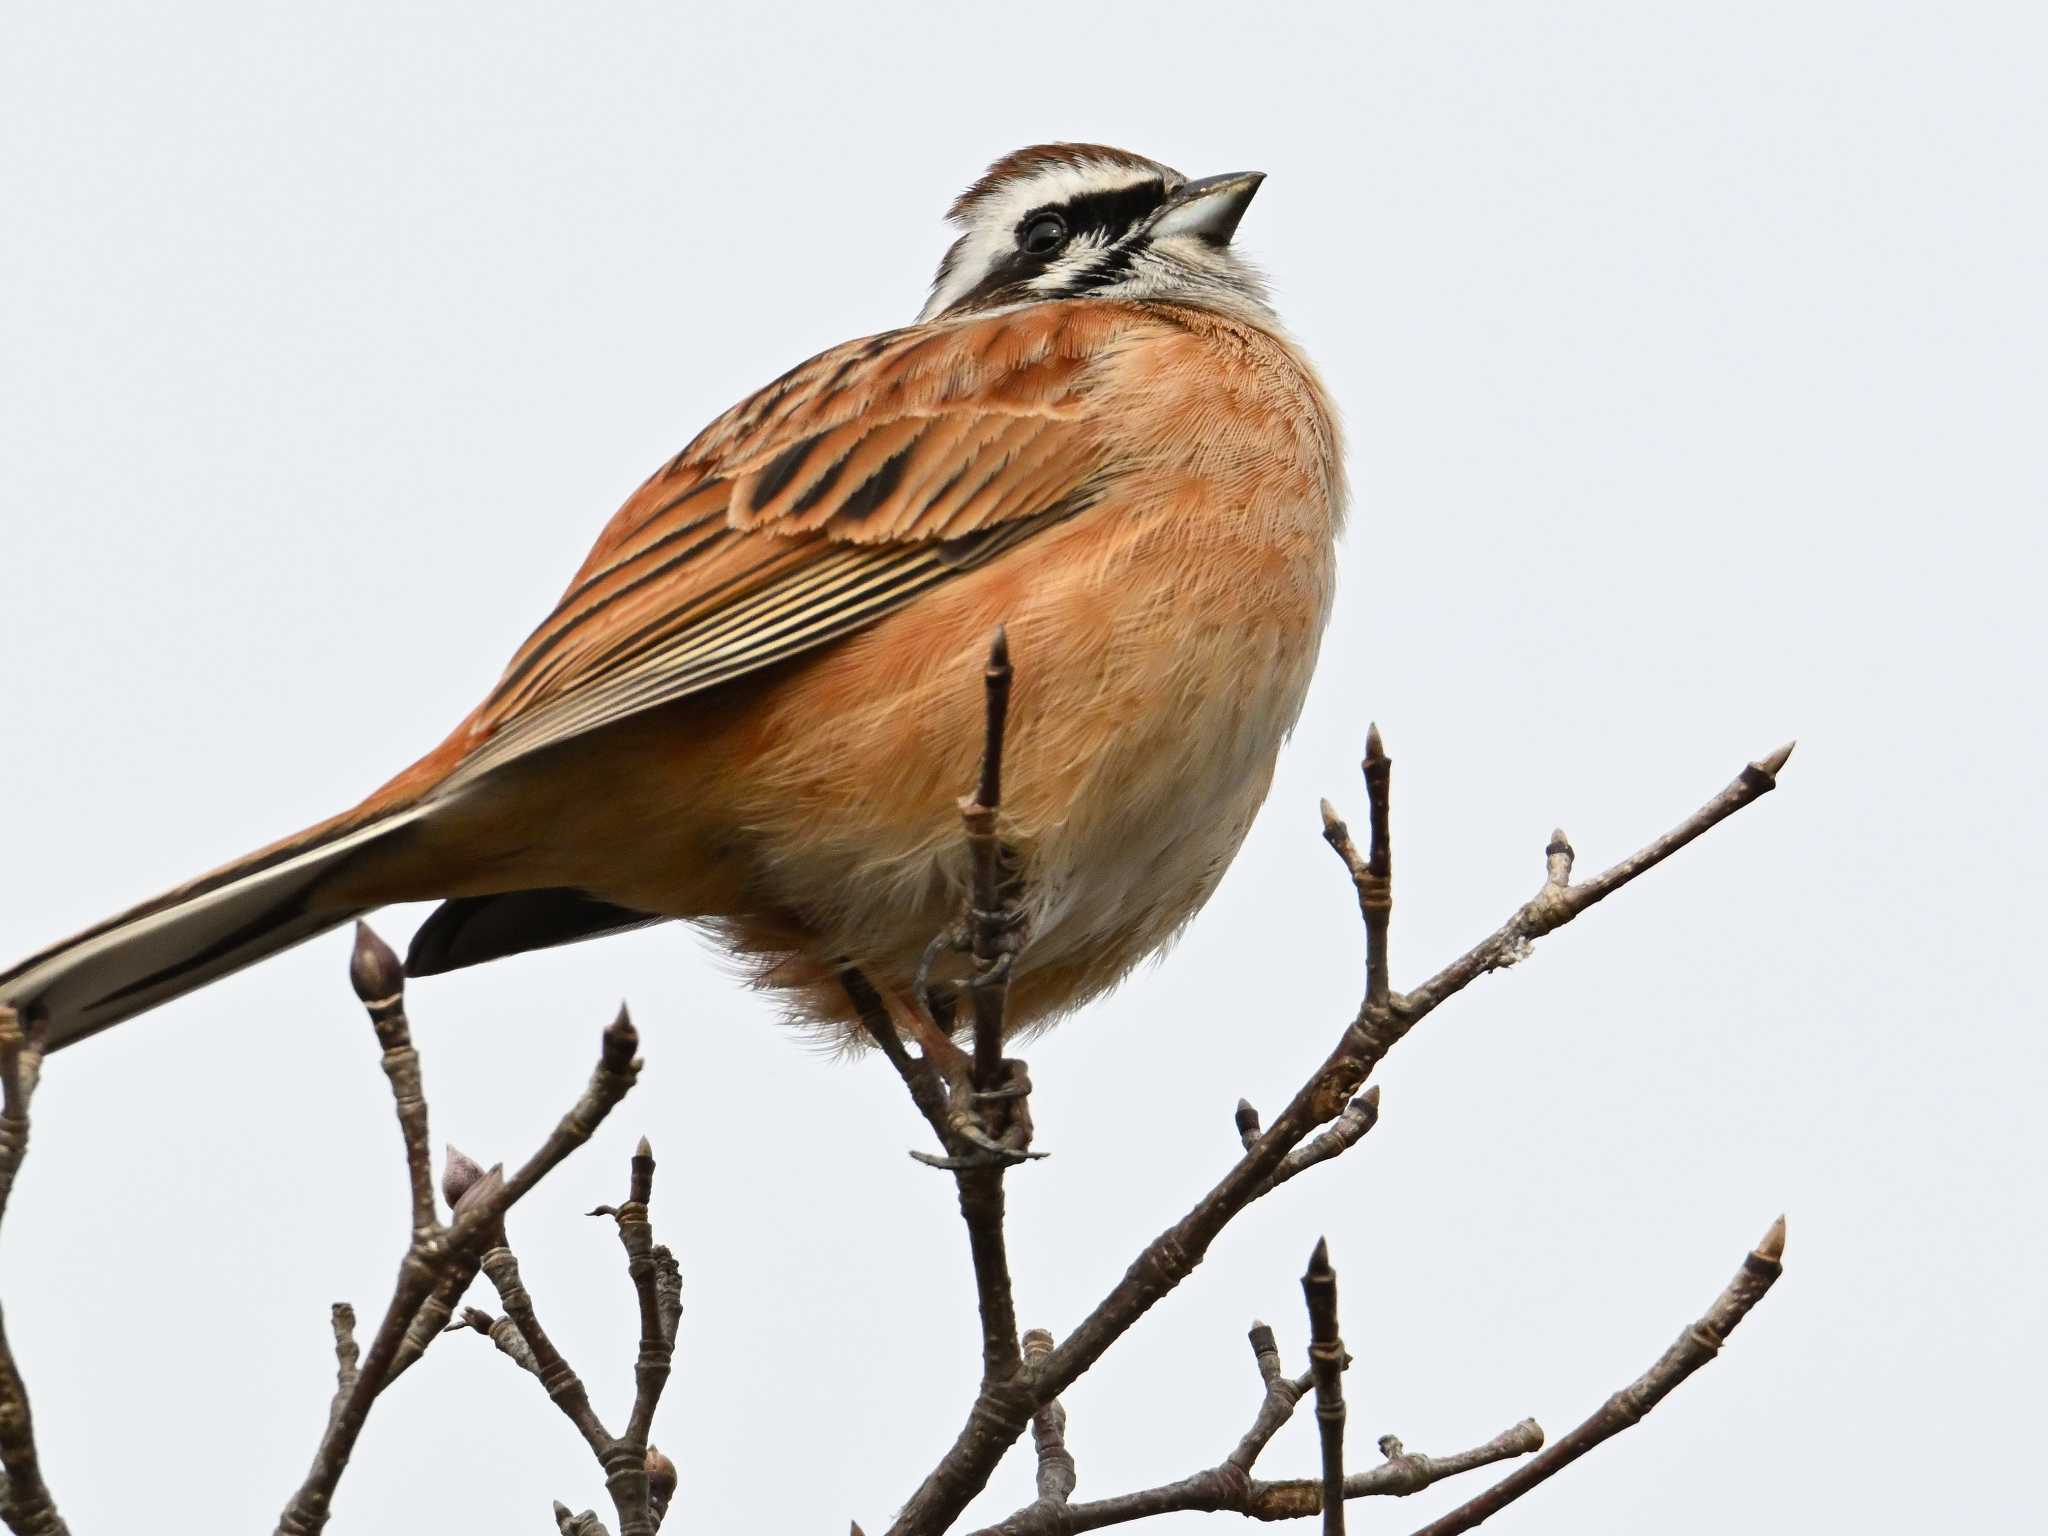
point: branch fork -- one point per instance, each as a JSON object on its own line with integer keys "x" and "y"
{"x": 442, "y": 1257}
{"x": 1016, "y": 1389}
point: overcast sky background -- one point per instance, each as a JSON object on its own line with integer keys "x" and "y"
{"x": 1692, "y": 363}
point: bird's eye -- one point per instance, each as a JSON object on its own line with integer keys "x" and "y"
{"x": 1044, "y": 235}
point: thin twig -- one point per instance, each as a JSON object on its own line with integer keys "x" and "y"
{"x": 1057, "y": 1474}
{"x": 1349, "y": 1128}
{"x": 981, "y": 1208}
{"x": 20, "y": 1072}
{"x": 983, "y": 1122}
{"x": 1402, "y": 1473}
{"x": 1558, "y": 902}
{"x": 1373, "y": 872}
{"x": 501, "y": 1331}
{"x": 25, "y": 1499}
{"x": 372, "y": 973}
{"x": 636, "y": 1235}
{"x": 1695, "y": 1347}
{"x": 668, "y": 1291}
{"x": 1275, "y": 1408}
{"x": 1326, "y": 1366}
{"x": 1229, "y": 1486}
{"x": 431, "y": 1320}
{"x": 990, "y": 934}
{"x": 639, "y": 1478}
{"x": 346, "y": 1355}
{"x": 564, "y": 1387}
{"x": 978, "y": 1178}
{"x": 1002, "y": 1410}
{"x": 436, "y": 1251}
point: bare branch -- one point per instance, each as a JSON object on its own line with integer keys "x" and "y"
{"x": 431, "y": 1320}
{"x": 21, "y": 1059}
{"x": 1326, "y": 1366}
{"x": 640, "y": 1479}
{"x": 501, "y": 1331}
{"x": 1557, "y": 903}
{"x": 379, "y": 980}
{"x": 1359, "y": 1116}
{"x": 1003, "y": 1409}
{"x": 1695, "y": 1347}
{"x": 1376, "y": 895}
{"x": 668, "y": 1291}
{"x": 438, "y": 1254}
{"x": 1057, "y": 1474}
{"x": 990, "y": 926}
{"x": 25, "y": 1499}
{"x": 564, "y": 1387}
{"x": 981, "y": 1116}
{"x": 1372, "y": 874}
{"x": 636, "y": 1235}
{"x": 981, "y": 1207}
{"x": 978, "y": 1177}
{"x": 1402, "y": 1473}
{"x": 617, "y": 1070}
{"x": 346, "y": 1355}
{"x": 1275, "y": 1408}
{"x": 1230, "y": 1487}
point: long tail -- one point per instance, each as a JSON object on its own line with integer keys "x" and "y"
{"x": 203, "y": 930}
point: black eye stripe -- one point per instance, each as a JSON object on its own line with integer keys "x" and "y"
{"x": 1098, "y": 244}
{"x": 1112, "y": 268}
{"x": 1109, "y": 214}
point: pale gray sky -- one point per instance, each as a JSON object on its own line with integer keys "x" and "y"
{"x": 1692, "y": 363}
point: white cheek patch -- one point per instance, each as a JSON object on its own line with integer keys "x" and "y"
{"x": 991, "y": 233}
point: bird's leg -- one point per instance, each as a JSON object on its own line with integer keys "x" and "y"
{"x": 931, "y": 1026}
{"x": 979, "y": 1102}
{"x": 988, "y": 1109}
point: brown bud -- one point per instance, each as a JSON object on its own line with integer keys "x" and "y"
{"x": 373, "y": 970}
{"x": 484, "y": 1191}
{"x": 459, "y": 1174}
{"x": 1247, "y": 1119}
{"x": 661, "y": 1479}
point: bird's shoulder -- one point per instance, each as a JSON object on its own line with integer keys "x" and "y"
{"x": 910, "y": 399}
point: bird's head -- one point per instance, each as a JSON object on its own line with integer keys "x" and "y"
{"x": 1061, "y": 221}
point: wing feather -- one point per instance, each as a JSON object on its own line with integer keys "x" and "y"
{"x": 830, "y": 498}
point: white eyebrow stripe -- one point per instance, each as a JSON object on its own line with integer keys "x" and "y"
{"x": 991, "y": 227}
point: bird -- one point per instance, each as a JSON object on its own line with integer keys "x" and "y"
{"x": 754, "y": 705}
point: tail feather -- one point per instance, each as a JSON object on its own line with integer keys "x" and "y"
{"x": 181, "y": 940}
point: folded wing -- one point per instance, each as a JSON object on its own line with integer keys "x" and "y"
{"x": 808, "y": 511}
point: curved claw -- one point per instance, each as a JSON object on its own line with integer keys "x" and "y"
{"x": 965, "y": 1128}
{"x": 1007, "y": 1157}
{"x": 998, "y": 971}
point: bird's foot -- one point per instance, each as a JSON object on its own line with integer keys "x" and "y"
{"x": 987, "y": 1127}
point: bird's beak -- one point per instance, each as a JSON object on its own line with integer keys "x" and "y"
{"x": 1208, "y": 209}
